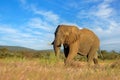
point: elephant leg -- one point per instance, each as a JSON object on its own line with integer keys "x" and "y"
{"x": 92, "y": 56}
{"x": 66, "y": 50}
{"x": 95, "y": 59}
{"x": 73, "y": 49}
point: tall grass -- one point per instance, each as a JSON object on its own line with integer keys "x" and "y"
{"x": 52, "y": 69}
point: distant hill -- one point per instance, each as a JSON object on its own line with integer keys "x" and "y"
{"x": 16, "y": 48}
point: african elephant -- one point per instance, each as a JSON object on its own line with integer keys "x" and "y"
{"x": 76, "y": 41}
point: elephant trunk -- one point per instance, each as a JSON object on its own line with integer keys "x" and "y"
{"x": 57, "y": 50}
{"x": 56, "y": 45}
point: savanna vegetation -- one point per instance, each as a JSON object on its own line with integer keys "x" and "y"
{"x": 27, "y": 64}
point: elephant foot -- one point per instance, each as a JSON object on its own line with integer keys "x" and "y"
{"x": 95, "y": 61}
{"x": 97, "y": 66}
{"x": 68, "y": 63}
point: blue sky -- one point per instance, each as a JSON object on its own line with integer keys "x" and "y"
{"x": 31, "y": 23}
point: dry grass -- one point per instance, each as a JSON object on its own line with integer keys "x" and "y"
{"x": 38, "y": 69}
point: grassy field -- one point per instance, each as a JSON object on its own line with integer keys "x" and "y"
{"x": 50, "y": 69}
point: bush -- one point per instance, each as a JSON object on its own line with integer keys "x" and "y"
{"x": 46, "y": 54}
{"x": 110, "y": 55}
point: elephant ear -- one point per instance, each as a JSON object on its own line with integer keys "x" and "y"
{"x": 72, "y": 35}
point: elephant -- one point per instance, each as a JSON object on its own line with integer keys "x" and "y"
{"x": 76, "y": 41}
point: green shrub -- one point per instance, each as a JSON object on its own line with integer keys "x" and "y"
{"x": 110, "y": 55}
{"x": 47, "y": 54}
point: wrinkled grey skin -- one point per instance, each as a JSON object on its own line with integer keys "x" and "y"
{"x": 76, "y": 41}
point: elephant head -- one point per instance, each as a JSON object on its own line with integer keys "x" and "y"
{"x": 65, "y": 35}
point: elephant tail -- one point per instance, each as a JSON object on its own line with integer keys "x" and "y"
{"x": 99, "y": 51}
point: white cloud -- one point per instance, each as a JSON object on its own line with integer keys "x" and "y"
{"x": 34, "y": 42}
{"x": 35, "y": 33}
{"x": 46, "y": 20}
{"x": 48, "y": 15}
{"x": 109, "y": 37}
{"x": 104, "y": 10}
{"x": 13, "y": 36}
{"x": 5, "y": 29}
{"x": 40, "y": 24}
